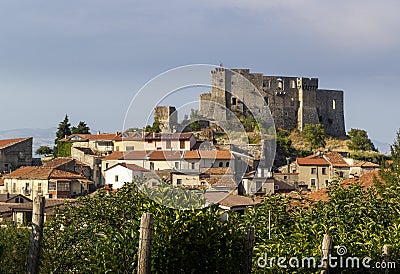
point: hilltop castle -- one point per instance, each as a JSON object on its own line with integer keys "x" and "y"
{"x": 293, "y": 101}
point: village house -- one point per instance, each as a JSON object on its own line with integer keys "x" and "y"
{"x": 15, "y": 153}
{"x": 20, "y": 212}
{"x": 46, "y": 181}
{"x": 120, "y": 174}
{"x": 129, "y": 141}
{"x": 169, "y": 141}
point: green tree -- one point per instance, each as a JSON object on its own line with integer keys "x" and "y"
{"x": 82, "y": 128}
{"x": 315, "y": 135}
{"x": 44, "y": 150}
{"x": 156, "y": 127}
{"x": 359, "y": 140}
{"x": 64, "y": 129}
{"x": 395, "y": 148}
{"x": 391, "y": 174}
{"x": 195, "y": 124}
{"x": 101, "y": 235}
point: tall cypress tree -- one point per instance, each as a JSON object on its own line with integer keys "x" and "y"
{"x": 62, "y": 149}
{"x": 64, "y": 129}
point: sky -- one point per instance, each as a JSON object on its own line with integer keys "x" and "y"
{"x": 89, "y": 58}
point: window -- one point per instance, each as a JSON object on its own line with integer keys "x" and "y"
{"x": 6, "y": 166}
{"x": 326, "y": 183}
{"x": 221, "y": 164}
{"x": 285, "y": 177}
{"x": 116, "y": 178}
{"x": 52, "y": 186}
{"x": 63, "y": 186}
{"x": 313, "y": 170}
{"x": 276, "y": 187}
{"x": 179, "y": 182}
{"x": 324, "y": 170}
{"x": 292, "y": 84}
{"x": 116, "y": 148}
{"x": 182, "y": 144}
{"x": 193, "y": 166}
{"x": 168, "y": 144}
{"x": 266, "y": 100}
{"x": 14, "y": 187}
{"x": 280, "y": 84}
{"x": 234, "y": 102}
{"x": 176, "y": 165}
{"x": 341, "y": 174}
{"x": 333, "y": 104}
{"x": 19, "y": 200}
{"x": 313, "y": 182}
{"x": 151, "y": 166}
{"x": 107, "y": 165}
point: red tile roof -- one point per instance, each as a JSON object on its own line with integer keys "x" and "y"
{"x": 42, "y": 173}
{"x": 116, "y": 155}
{"x": 312, "y": 162}
{"x": 58, "y": 162}
{"x": 232, "y": 201}
{"x": 217, "y": 171}
{"x": 366, "y": 165}
{"x": 93, "y": 137}
{"x": 216, "y": 154}
{"x": 335, "y": 159}
{"x": 104, "y": 137}
{"x": 162, "y": 155}
{"x": 9, "y": 142}
{"x": 192, "y": 155}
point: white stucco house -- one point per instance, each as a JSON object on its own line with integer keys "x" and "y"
{"x": 120, "y": 174}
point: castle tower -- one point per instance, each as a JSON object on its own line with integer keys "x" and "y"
{"x": 167, "y": 116}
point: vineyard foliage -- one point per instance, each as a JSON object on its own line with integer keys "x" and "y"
{"x": 100, "y": 234}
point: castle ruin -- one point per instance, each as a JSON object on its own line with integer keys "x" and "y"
{"x": 293, "y": 101}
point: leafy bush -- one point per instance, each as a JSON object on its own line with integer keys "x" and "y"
{"x": 14, "y": 248}
{"x": 102, "y": 235}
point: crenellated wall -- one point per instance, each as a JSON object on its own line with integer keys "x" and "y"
{"x": 293, "y": 101}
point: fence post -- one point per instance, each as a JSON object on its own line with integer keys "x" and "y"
{"x": 37, "y": 235}
{"x": 326, "y": 250}
{"x": 385, "y": 255}
{"x": 248, "y": 249}
{"x": 146, "y": 234}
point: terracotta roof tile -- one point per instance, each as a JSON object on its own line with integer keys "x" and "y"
{"x": 216, "y": 154}
{"x": 9, "y": 142}
{"x": 42, "y": 173}
{"x": 162, "y": 155}
{"x": 335, "y": 159}
{"x": 116, "y": 155}
{"x": 58, "y": 162}
{"x": 312, "y": 162}
{"x": 192, "y": 155}
{"x": 236, "y": 201}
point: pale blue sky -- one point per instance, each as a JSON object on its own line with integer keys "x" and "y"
{"x": 88, "y": 58}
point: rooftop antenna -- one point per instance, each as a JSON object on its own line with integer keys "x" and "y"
{"x": 221, "y": 64}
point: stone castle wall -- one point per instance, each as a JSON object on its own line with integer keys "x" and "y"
{"x": 293, "y": 101}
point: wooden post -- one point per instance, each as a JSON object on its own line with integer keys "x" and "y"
{"x": 248, "y": 249}
{"x": 146, "y": 234}
{"x": 37, "y": 235}
{"x": 385, "y": 255}
{"x": 326, "y": 251}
